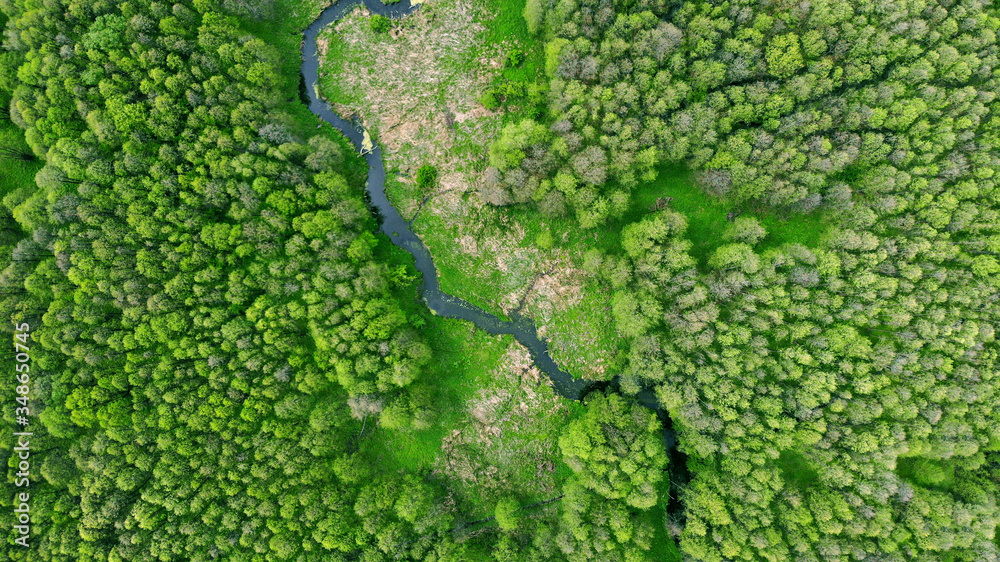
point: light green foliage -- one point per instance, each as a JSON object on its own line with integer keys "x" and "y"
{"x": 616, "y": 449}
{"x": 533, "y": 15}
{"x": 735, "y": 256}
{"x": 595, "y": 528}
{"x": 544, "y": 240}
{"x": 640, "y": 237}
{"x": 746, "y": 229}
{"x": 506, "y": 514}
{"x": 552, "y": 50}
{"x": 362, "y": 247}
{"x": 625, "y": 311}
{"x": 784, "y": 55}
{"x": 509, "y": 150}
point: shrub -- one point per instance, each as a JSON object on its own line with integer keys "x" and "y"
{"x": 379, "y": 23}
{"x": 490, "y": 100}
{"x": 505, "y": 514}
{"x": 514, "y": 59}
{"x": 544, "y": 239}
{"x": 427, "y": 177}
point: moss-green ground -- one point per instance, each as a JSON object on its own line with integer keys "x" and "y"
{"x": 15, "y": 174}
{"x": 463, "y": 359}
{"x": 707, "y": 214}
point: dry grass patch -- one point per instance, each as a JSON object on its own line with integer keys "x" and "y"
{"x": 507, "y": 442}
{"x": 416, "y": 88}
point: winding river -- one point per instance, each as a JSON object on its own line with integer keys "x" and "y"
{"x": 398, "y": 230}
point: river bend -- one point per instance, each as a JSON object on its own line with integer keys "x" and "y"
{"x": 398, "y": 230}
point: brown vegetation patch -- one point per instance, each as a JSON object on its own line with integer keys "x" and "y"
{"x": 401, "y": 79}
{"x": 496, "y": 445}
{"x": 558, "y": 289}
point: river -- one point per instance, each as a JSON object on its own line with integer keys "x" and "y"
{"x": 398, "y": 230}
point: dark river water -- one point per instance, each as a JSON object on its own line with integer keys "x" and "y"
{"x": 398, "y": 230}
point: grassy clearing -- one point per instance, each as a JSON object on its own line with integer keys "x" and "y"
{"x": 506, "y": 442}
{"x": 581, "y": 338}
{"x": 707, "y": 214}
{"x": 796, "y": 469}
{"x": 463, "y": 359}
{"x": 334, "y": 65}
{"x": 504, "y": 22}
{"x": 934, "y": 474}
{"x": 664, "y": 548}
{"x": 507, "y": 30}
{"x": 480, "y": 259}
{"x": 414, "y": 87}
{"x": 15, "y": 174}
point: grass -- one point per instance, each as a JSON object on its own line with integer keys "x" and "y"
{"x": 15, "y": 174}
{"x": 475, "y": 276}
{"x": 334, "y": 62}
{"x": 664, "y": 548}
{"x": 508, "y": 31}
{"x": 463, "y": 358}
{"x": 508, "y": 26}
{"x": 582, "y": 340}
{"x": 796, "y": 469}
{"x": 706, "y": 214}
{"x": 518, "y": 469}
{"x": 934, "y": 474}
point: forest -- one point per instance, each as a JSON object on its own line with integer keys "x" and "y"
{"x": 230, "y": 362}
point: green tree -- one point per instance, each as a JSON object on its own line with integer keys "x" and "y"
{"x": 616, "y": 449}
{"x": 506, "y": 514}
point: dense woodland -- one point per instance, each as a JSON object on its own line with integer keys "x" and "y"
{"x": 210, "y": 328}
{"x": 214, "y": 332}
{"x": 837, "y": 402}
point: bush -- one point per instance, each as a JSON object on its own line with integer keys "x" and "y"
{"x": 490, "y": 100}
{"x": 505, "y": 514}
{"x": 427, "y": 177}
{"x": 533, "y": 14}
{"x": 379, "y": 23}
{"x": 514, "y": 59}
{"x": 745, "y": 229}
{"x": 544, "y": 239}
